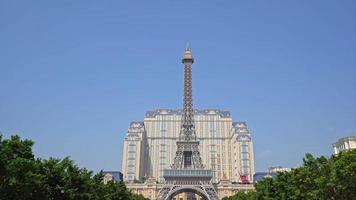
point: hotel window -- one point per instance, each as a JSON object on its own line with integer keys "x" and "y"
{"x": 244, "y": 147}
{"x": 244, "y": 155}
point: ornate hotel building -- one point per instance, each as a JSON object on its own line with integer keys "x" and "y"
{"x": 226, "y": 146}
{"x": 223, "y": 146}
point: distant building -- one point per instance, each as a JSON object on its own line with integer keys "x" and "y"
{"x": 276, "y": 169}
{"x": 271, "y": 173}
{"x": 344, "y": 144}
{"x": 259, "y": 176}
{"x": 115, "y": 176}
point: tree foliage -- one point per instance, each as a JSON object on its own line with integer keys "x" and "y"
{"x": 320, "y": 178}
{"x": 24, "y": 177}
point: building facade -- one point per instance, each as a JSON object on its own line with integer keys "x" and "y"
{"x": 134, "y": 152}
{"x": 226, "y": 147}
{"x": 344, "y": 144}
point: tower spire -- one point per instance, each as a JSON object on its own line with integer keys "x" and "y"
{"x": 187, "y": 132}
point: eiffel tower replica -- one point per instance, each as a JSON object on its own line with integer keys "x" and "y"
{"x": 188, "y": 174}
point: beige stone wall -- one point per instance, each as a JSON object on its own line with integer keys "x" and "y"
{"x": 224, "y": 188}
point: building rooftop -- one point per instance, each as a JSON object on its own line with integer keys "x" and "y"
{"x": 345, "y": 139}
{"x": 222, "y": 113}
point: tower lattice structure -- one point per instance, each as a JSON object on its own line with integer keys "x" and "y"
{"x": 187, "y": 173}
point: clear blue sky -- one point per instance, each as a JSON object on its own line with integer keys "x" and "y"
{"x": 74, "y": 74}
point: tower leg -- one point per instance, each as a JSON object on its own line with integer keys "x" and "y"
{"x": 208, "y": 191}
{"x": 163, "y": 193}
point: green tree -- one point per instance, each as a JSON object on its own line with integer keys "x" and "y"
{"x": 23, "y": 177}
{"x": 19, "y": 170}
{"x": 319, "y": 178}
{"x": 242, "y": 196}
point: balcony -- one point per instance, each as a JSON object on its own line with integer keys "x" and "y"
{"x": 201, "y": 173}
